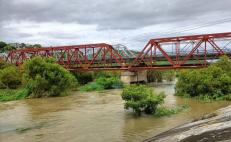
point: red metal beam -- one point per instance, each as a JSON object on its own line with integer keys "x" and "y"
{"x": 103, "y": 56}
{"x": 191, "y": 37}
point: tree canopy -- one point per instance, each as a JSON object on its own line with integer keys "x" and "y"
{"x": 213, "y": 82}
{"x": 141, "y": 98}
{"x": 46, "y": 78}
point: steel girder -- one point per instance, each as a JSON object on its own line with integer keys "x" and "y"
{"x": 163, "y": 53}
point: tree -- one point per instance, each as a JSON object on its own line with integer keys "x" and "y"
{"x": 3, "y": 64}
{"x": 46, "y": 78}
{"x": 37, "y": 46}
{"x": 2, "y": 45}
{"x": 141, "y": 99}
{"x": 10, "y": 77}
{"x": 9, "y": 47}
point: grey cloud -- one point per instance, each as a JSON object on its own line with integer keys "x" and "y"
{"x": 110, "y": 14}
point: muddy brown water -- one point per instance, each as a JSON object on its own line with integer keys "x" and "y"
{"x": 91, "y": 117}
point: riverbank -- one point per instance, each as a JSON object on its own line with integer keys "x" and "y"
{"x": 213, "y": 127}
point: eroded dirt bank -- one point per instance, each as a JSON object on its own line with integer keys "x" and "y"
{"x": 210, "y": 128}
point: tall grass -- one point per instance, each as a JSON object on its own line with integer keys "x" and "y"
{"x": 13, "y": 94}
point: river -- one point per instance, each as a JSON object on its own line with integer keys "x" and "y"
{"x": 91, "y": 117}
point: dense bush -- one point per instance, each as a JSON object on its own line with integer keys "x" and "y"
{"x": 13, "y": 94}
{"x": 213, "y": 82}
{"x": 92, "y": 86}
{"x": 102, "y": 83}
{"x": 159, "y": 76}
{"x": 10, "y": 77}
{"x": 46, "y": 78}
{"x": 154, "y": 76}
{"x": 84, "y": 77}
{"x": 141, "y": 99}
{"x": 169, "y": 75}
{"x": 3, "y": 64}
{"x": 109, "y": 83}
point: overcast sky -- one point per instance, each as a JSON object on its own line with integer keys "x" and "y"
{"x": 129, "y": 22}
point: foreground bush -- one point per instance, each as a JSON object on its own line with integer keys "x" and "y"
{"x": 46, "y": 78}
{"x": 212, "y": 83}
{"x": 141, "y": 98}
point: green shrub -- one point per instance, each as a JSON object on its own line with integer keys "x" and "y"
{"x": 92, "y": 86}
{"x": 141, "y": 98}
{"x": 10, "y": 77}
{"x": 212, "y": 83}
{"x": 102, "y": 83}
{"x": 46, "y": 78}
{"x": 154, "y": 76}
{"x": 163, "y": 111}
{"x": 110, "y": 83}
{"x": 169, "y": 75}
{"x": 3, "y": 64}
{"x": 13, "y": 94}
{"x": 84, "y": 77}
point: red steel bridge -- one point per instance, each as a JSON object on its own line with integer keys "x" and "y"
{"x": 192, "y": 51}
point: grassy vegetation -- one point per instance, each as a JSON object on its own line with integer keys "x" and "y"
{"x": 102, "y": 83}
{"x": 163, "y": 111}
{"x": 13, "y": 94}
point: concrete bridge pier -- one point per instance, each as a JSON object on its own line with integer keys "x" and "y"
{"x": 129, "y": 77}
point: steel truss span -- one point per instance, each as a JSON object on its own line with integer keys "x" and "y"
{"x": 193, "y": 51}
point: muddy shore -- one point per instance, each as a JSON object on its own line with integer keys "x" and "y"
{"x": 209, "y": 128}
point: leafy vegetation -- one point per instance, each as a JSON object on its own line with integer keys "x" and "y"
{"x": 12, "y": 46}
{"x": 102, "y": 83}
{"x": 13, "y": 94}
{"x": 154, "y": 76}
{"x": 92, "y": 86}
{"x": 212, "y": 83}
{"x": 163, "y": 111}
{"x": 159, "y": 76}
{"x": 2, "y": 45}
{"x": 84, "y": 77}
{"x": 141, "y": 98}
{"x": 10, "y": 77}
{"x": 45, "y": 78}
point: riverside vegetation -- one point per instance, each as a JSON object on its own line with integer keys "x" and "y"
{"x": 144, "y": 99}
{"x": 38, "y": 77}
{"x": 102, "y": 81}
{"x": 212, "y": 83}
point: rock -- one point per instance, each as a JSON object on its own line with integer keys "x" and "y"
{"x": 210, "y": 128}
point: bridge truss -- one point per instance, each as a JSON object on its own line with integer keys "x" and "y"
{"x": 163, "y": 53}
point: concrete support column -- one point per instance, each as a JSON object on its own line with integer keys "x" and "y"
{"x": 129, "y": 77}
